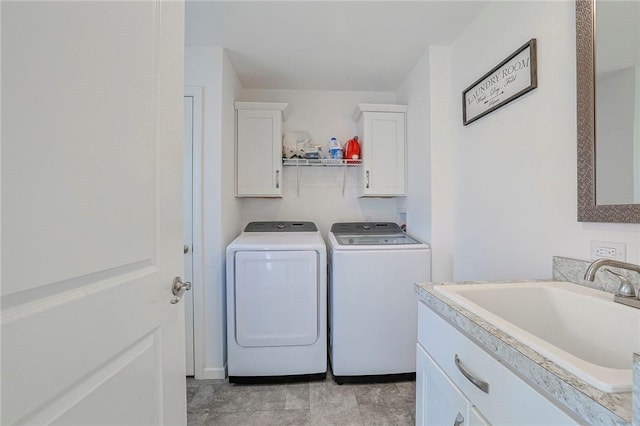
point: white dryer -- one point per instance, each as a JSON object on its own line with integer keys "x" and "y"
{"x": 373, "y": 308}
{"x": 276, "y": 302}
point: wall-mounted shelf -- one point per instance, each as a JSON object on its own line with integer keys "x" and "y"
{"x": 303, "y": 162}
{"x": 319, "y": 162}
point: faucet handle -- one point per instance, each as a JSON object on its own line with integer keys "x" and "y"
{"x": 626, "y": 288}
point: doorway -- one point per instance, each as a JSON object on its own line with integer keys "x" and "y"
{"x": 192, "y": 229}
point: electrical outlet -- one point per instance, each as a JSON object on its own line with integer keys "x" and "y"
{"x": 609, "y": 250}
{"x": 606, "y": 252}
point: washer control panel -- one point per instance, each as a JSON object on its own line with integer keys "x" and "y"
{"x": 366, "y": 228}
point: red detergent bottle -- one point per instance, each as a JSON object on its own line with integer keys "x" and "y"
{"x": 352, "y": 150}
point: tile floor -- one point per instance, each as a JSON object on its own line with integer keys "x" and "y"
{"x": 215, "y": 402}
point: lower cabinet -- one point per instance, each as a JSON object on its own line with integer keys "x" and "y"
{"x": 438, "y": 400}
{"x": 459, "y": 384}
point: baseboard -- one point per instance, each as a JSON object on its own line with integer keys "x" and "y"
{"x": 213, "y": 374}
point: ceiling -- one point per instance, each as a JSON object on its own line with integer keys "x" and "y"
{"x": 326, "y": 45}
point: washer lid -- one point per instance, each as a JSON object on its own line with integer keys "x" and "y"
{"x": 366, "y": 228}
{"x": 281, "y": 227}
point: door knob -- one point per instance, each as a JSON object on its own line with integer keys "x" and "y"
{"x": 178, "y": 288}
{"x": 459, "y": 420}
{"x": 186, "y": 249}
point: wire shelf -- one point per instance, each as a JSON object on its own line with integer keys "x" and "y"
{"x": 320, "y": 162}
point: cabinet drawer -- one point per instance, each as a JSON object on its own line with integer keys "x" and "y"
{"x": 508, "y": 399}
{"x": 438, "y": 400}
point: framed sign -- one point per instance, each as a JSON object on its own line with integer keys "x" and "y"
{"x": 509, "y": 80}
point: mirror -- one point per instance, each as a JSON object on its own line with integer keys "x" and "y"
{"x": 617, "y": 58}
{"x": 592, "y": 206}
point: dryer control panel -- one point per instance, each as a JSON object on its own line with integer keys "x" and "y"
{"x": 281, "y": 227}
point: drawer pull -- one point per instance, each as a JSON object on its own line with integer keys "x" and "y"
{"x": 483, "y": 386}
{"x": 459, "y": 420}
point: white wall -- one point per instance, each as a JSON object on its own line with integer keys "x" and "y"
{"x": 209, "y": 68}
{"x": 230, "y": 207}
{"x": 442, "y": 164}
{"x": 511, "y": 174}
{"x": 414, "y": 92}
{"x": 324, "y": 114}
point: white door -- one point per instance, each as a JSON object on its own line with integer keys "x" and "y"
{"x": 91, "y": 213}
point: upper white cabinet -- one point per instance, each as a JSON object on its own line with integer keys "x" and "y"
{"x": 259, "y": 148}
{"x": 382, "y": 146}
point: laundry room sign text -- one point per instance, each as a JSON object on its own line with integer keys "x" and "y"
{"x": 509, "y": 80}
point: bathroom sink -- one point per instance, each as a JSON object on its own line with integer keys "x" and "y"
{"x": 579, "y": 328}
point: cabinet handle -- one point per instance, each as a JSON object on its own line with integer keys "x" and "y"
{"x": 277, "y": 179}
{"x": 483, "y": 386}
{"x": 459, "y": 420}
{"x": 367, "y": 181}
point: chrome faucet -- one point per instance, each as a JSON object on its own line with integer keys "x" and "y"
{"x": 590, "y": 275}
{"x": 626, "y": 293}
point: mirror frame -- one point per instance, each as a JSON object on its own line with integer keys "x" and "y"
{"x": 588, "y": 210}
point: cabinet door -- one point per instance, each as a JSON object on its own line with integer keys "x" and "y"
{"x": 383, "y": 154}
{"x": 438, "y": 400}
{"x": 259, "y": 153}
{"x": 476, "y": 419}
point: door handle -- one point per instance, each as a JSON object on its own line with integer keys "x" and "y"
{"x": 459, "y": 420}
{"x": 277, "y": 179}
{"x": 186, "y": 249}
{"x": 482, "y": 385}
{"x": 367, "y": 183}
{"x": 178, "y": 287}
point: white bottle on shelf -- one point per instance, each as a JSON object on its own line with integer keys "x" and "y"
{"x": 335, "y": 151}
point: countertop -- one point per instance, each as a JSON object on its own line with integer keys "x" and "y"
{"x": 588, "y": 404}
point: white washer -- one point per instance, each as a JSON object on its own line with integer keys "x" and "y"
{"x": 276, "y": 302}
{"x": 372, "y": 304}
